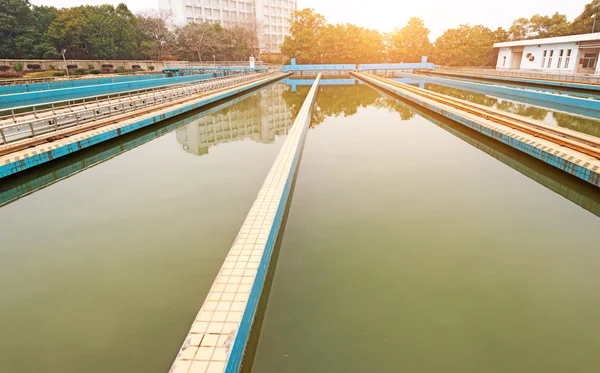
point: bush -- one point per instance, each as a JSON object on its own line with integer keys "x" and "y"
{"x": 71, "y": 67}
{"x": 79, "y": 71}
{"x": 95, "y": 71}
{"x": 59, "y": 73}
{"x": 17, "y": 66}
{"x": 136, "y": 67}
{"x": 40, "y": 74}
{"x": 150, "y": 67}
{"x": 34, "y": 66}
{"x": 120, "y": 70}
{"x": 10, "y": 74}
{"x": 91, "y": 66}
{"x": 52, "y": 67}
{"x": 106, "y": 70}
{"x": 4, "y": 68}
{"x": 107, "y": 66}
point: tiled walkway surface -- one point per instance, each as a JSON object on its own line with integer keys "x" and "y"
{"x": 219, "y": 333}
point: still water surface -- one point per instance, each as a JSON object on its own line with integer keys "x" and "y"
{"x": 104, "y": 271}
{"x": 411, "y": 244}
{"x": 408, "y": 249}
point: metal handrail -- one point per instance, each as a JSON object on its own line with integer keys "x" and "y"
{"x": 18, "y": 111}
{"x": 41, "y": 126}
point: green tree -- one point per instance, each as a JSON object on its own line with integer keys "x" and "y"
{"x": 539, "y": 26}
{"x": 67, "y": 29}
{"x": 466, "y": 46}
{"x": 304, "y": 39}
{"x": 584, "y": 22}
{"x": 110, "y": 32}
{"x": 411, "y": 42}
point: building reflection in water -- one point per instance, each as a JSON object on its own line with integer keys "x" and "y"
{"x": 260, "y": 118}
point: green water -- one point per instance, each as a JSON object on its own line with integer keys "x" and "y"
{"x": 408, "y": 249}
{"x": 411, "y": 244}
{"x": 104, "y": 271}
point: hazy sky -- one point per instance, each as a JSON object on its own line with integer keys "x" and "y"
{"x": 385, "y": 15}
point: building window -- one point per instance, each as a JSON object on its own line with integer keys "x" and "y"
{"x": 568, "y": 58}
{"x": 589, "y": 60}
{"x": 550, "y": 59}
{"x": 544, "y": 59}
{"x": 503, "y": 61}
{"x": 560, "y": 57}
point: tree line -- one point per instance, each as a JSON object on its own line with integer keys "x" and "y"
{"x": 107, "y": 32}
{"x": 313, "y": 40}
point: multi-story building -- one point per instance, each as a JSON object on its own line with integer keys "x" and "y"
{"x": 271, "y": 17}
{"x": 259, "y": 118}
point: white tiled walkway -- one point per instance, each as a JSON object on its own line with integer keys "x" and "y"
{"x": 214, "y": 332}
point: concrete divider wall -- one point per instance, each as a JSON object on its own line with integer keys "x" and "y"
{"x": 38, "y": 97}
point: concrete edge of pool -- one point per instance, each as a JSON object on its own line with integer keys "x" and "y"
{"x": 43, "y": 153}
{"x": 220, "y": 332}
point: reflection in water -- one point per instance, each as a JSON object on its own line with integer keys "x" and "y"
{"x": 345, "y": 100}
{"x": 571, "y": 188}
{"x": 40, "y": 177}
{"x": 260, "y": 118}
{"x": 574, "y": 122}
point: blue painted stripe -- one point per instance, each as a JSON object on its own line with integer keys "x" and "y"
{"x": 38, "y": 97}
{"x": 21, "y": 88}
{"x": 26, "y": 163}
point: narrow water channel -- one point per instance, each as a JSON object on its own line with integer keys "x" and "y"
{"x": 409, "y": 249}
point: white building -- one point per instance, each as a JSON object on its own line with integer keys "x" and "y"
{"x": 570, "y": 54}
{"x": 272, "y": 17}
